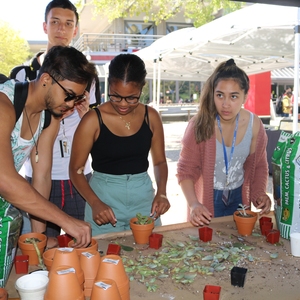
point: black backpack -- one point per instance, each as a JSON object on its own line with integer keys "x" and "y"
{"x": 279, "y": 107}
{"x": 31, "y": 71}
{"x": 21, "y": 92}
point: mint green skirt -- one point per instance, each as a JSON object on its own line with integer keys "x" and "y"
{"x": 127, "y": 195}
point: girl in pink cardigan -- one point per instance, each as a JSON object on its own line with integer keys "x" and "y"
{"x": 223, "y": 160}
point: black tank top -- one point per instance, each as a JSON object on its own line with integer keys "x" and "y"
{"x": 119, "y": 155}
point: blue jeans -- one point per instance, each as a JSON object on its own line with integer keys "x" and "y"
{"x": 234, "y": 199}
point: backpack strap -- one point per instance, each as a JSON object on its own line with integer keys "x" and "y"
{"x": 21, "y": 93}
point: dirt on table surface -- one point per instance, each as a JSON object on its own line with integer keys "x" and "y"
{"x": 182, "y": 267}
{"x": 272, "y": 272}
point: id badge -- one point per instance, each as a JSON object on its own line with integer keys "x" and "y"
{"x": 64, "y": 148}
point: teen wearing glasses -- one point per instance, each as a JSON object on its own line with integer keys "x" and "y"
{"x": 25, "y": 137}
{"x": 119, "y": 135}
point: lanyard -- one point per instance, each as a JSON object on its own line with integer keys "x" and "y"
{"x": 227, "y": 163}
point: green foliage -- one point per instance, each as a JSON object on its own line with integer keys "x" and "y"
{"x": 199, "y": 11}
{"x": 143, "y": 220}
{"x": 14, "y": 50}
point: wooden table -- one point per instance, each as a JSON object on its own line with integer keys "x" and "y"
{"x": 266, "y": 278}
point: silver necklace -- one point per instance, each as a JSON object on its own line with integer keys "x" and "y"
{"x": 127, "y": 124}
{"x": 35, "y": 143}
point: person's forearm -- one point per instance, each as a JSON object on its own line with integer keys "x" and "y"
{"x": 82, "y": 186}
{"x": 161, "y": 177}
{"x": 188, "y": 189}
{"x": 43, "y": 186}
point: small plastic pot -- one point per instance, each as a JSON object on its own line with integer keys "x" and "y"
{"x": 63, "y": 240}
{"x": 155, "y": 240}
{"x": 113, "y": 249}
{"x": 265, "y": 227}
{"x": 272, "y": 236}
{"x": 205, "y": 234}
{"x": 211, "y": 292}
{"x": 21, "y": 264}
{"x": 264, "y": 220}
{"x": 238, "y": 276}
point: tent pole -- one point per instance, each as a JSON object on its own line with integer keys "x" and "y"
{"x": 154, "y": 83}
{"x": 106, "y": 81}
{"x": 158, "y": 85}
{"x": 296, "y": 73}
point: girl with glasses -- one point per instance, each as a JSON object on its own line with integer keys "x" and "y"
{"x": 119, "y": 134}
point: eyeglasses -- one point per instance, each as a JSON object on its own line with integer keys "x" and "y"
{"x": 70, "y": 96}
{"x": 129, "y": 99}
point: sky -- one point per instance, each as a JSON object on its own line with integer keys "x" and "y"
{"x": 25, "y": 16}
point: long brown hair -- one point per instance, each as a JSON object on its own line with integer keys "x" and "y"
{"x": 205, "y": 118}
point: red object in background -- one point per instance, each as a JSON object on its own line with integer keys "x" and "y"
{"x": 21, "y": 264}
{"x": 63, "y": 240}
{"x": 113, "y": 249}
{"x": 258, "y": 100}
{"x": 211, "y": 292}
{"x": 272, "y": 236}
{"x": 155, "y": 240}
{"x": 265, "y": 227}
{"x": 205, "y": 234}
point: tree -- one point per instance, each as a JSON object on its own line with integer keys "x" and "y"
{"x": 199, "y": 11}
{"x": 14, "y": 50}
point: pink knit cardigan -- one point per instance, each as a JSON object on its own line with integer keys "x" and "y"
{"x": 197, "y": 162}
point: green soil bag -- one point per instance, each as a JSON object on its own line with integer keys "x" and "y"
{"x": 286, "y": 183}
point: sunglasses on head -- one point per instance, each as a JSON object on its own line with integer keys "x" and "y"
{"x": 70, "y": 96}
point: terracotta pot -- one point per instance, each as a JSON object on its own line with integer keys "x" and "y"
{"x": 266, "y": 227}
{"x": 3, "y": 294}
{"x": 93, "y": 246}
{"x": 63, "y": 284}
{"x": 272, "y": 236}
{"x": 48, "y": 256}
{"x": 205, "y": 234}
{"x": 89, "y": 262}
{"x": 106, "y": 289}
{"x": 141, "y": 233}
{"x": 238, "y": 276}
{"x": 245, "y": 225}
{"x": 111, "y": 267}
{"x": 113, "y": 249}
{"x": 155, "y": 240}
{"x": 21, "y": 264}
{"x": 64, "y": 240}
{"x": 211, "y": 292}
{"x": 28, "y": 249}
{"x": 68, "y": 257}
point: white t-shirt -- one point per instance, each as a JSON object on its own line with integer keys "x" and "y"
{"x": 61, "y": 149}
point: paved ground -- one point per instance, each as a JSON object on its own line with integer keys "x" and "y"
{"x": 173, "y": 133}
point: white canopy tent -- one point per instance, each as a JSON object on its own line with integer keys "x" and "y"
{"x": 259, "y": 37}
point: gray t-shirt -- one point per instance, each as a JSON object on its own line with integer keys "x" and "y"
{"x": 236, "y": 170}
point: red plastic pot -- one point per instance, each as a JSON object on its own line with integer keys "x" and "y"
{"x": 205, "y": 234}
{"x": 264, "y": 220}
{"x": 272, "y": 236}
{"x": 211, "y": 292}
{"x": 63, "y": 240}
{"x": 266, "y": 227}
{"x": 21, "y": 264}
{"x": 155, "y": 240}
{"x": 113, "y": 249}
